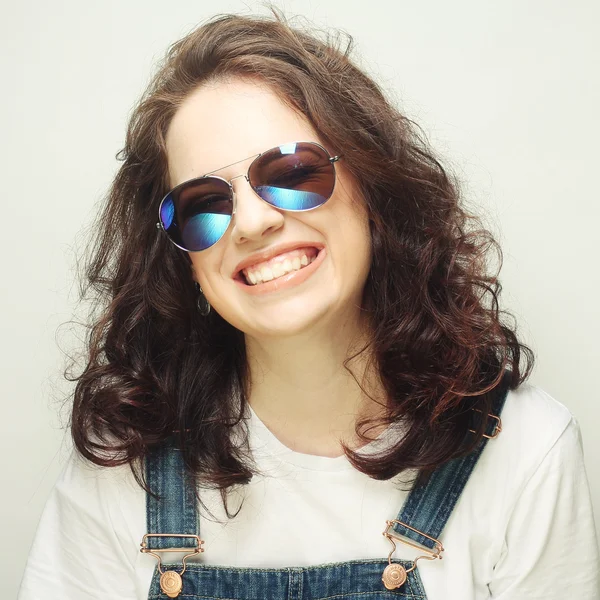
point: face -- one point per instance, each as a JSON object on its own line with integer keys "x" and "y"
{"x": 224, "y": 123}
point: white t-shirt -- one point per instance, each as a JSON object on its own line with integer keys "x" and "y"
{"x": 522, "y": 529}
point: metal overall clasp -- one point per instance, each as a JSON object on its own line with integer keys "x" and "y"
{"x": 394, "y": 575}
{"x": 171, "y": 582}
{"x": 497, "y": 426}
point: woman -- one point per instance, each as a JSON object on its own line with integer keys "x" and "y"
{"x": 299, "y": 328}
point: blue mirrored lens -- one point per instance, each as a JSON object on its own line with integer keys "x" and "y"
{"x": 297, "y": 176}
{"x": 203, "y": 230}
{"x": 167, "y": 213}
{"x": 289, "y": 199}
{"x": 197, "y": 213}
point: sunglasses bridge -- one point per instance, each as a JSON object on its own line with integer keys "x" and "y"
{"x": 234, "y": 193}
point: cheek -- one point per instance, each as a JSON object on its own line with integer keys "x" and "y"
{"x": 363, "y": 251}
{"x": 351, "y": 241}
{"x": 362, "y": 240}
{"x": 354, "y": 220}
{"x": 203, "y": 268}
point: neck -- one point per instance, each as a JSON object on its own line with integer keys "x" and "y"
{"x": 301, "y": 391}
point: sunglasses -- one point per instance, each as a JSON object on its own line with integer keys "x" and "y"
{"x": 294, "y": 177}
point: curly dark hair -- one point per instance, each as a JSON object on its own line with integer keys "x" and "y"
{"x": 155, "y": 369}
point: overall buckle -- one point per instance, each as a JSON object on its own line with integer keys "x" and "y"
{"x": 170, "y": 581}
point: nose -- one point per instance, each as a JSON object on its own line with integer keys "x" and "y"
{"x": 253, "y": 218}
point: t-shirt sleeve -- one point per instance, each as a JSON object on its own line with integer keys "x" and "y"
{"x": 550, "y": 548}
{"x": 77, "y": 553}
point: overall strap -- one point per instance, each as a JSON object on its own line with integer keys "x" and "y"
{"x": 427, "y": 508}
{"x": 175, "y": 511}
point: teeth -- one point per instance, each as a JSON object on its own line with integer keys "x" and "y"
{"x": 278, "y": 270}
{"x": 266, "y": 273}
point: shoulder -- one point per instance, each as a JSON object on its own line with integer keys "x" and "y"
{"x": 537, "y": 430}
{"x": 533, "y": 422}
{"x": 530, "y": 412}
{"x": 92, "y": 511}
{"x": 533, "y": 467}
{"x": 81, "y": 476}
{"x": 108, "y": 497}
{"x": 538, "y": 500}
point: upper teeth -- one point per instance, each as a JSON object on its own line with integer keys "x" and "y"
{"x": 262, "y": 274}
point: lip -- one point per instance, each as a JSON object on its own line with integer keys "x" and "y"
{"x": 289, "y": 280}
{"x": 258, "y": 257}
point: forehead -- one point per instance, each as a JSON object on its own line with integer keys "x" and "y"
{"x": 225, "y": 122}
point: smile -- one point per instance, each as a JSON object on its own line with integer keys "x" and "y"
{"x": 295, "y": 267}
{"x": 280, "y": 265}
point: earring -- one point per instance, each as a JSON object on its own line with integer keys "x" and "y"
{"x": 202, "y": 302}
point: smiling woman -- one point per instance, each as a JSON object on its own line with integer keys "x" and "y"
{"x": 302, "y": 356}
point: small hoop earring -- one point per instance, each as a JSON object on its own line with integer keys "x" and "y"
{"x": 202, "y": 303}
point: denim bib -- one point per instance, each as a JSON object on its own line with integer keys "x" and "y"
{"x": 173, "y": 523}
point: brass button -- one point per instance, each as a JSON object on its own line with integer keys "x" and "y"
{"x": 171, "y": 583}
{"x": 394, "y": 576}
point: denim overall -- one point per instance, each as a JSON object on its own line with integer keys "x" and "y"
{"x": 426, "y": 509}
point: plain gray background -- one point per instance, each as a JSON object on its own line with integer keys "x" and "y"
{"x": 508, "y": 94}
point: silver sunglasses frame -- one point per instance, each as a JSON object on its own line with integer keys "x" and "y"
{"x": 255, "y": 157}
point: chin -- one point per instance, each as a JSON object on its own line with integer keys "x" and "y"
{"x": 288, "y": 319}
